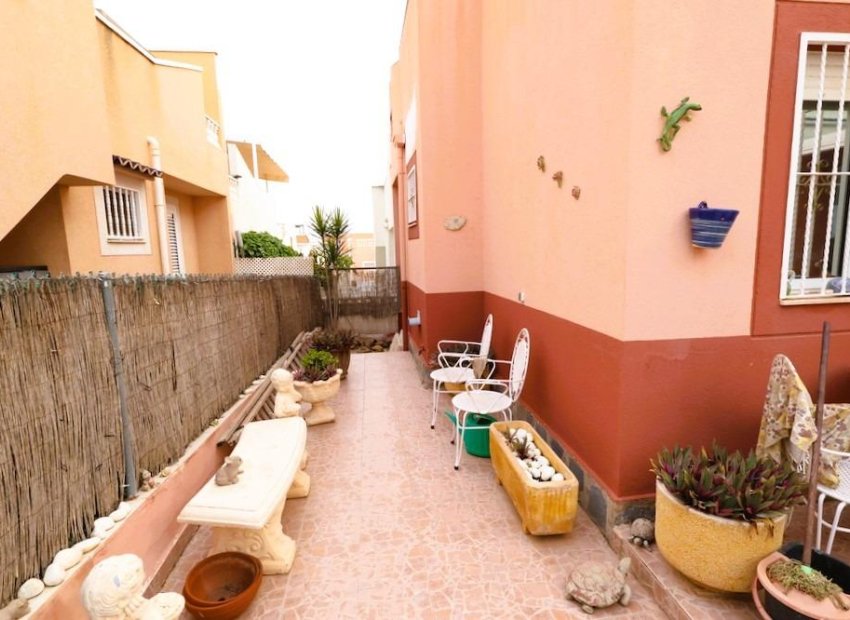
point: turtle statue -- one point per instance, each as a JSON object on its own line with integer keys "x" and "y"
{"x": 597, "y": 584}
{"x": 642, "y": 532}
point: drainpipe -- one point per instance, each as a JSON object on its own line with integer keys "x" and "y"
{"x": 159, "y": 205}
{"x": 401, "y": 236}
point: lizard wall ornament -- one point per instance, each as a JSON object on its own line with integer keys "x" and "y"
{"x": 671, "y": 124}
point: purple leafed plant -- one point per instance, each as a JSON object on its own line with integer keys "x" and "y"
{"x": 730, "y": 485}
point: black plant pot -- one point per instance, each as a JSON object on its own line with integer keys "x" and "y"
{"x": 833, "y": 568}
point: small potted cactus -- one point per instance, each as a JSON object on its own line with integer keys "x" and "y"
{"x": 718, "y": 514}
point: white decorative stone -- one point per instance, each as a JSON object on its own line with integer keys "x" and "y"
{"x": 68, "y": 558}
{"x": 542, "y": 460}
{"x": 89, "y": 544}
{"x": 121, "y": 512}
{"x": 113, "y": 590}
{"x": 102, "y": 527}
{"x": 31, "y": 588}
{"x": 546, "y": 473}
{"x": 54, "y": 575}
{"x": 454, "y": 223}
{"x": 558, "y": 477}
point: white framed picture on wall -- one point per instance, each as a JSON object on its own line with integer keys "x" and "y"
{"x": 412, "y": 208}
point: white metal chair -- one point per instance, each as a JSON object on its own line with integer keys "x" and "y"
{"x": 841, "y": 494}
{"x": 498, "y": 400}
{"x": 455, "y": 358}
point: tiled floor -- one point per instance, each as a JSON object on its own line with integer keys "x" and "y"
{"x": 390, "y": 530}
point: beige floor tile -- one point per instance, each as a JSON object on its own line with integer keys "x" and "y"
{"x": 391, "y": 530}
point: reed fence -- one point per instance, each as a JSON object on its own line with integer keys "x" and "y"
{"x": 189, "y": 346}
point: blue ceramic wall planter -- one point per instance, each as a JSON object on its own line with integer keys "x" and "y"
{"x": 709, "y": 226}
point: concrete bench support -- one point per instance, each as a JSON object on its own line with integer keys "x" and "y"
{"x": 246, "y": 516}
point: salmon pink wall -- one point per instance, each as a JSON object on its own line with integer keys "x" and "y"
{"x": 553, "y": 85}
{"x": 17, "y": 249}
{"x": 449, "y": 146}
{"x": 52, "y": 101}
{"x": 145, "y": 99}
{"x": 717, "y": 52}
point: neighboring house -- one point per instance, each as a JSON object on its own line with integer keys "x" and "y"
{"x": 638, "y": 339}
{"x": 382, "y": 219}
{"x": 256, "y": 189}
{"x": 362, "y": 247}
{"x": 108, "y": 149}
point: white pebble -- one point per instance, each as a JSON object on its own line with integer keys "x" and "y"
{"x": 120, "y": 513}
{"x": 88, "y": 544}
{"x": 542, "y": 460}
{"x": 31, "y": 588}
{"x": 528, "y": 473}
{"x": 54, "y": 575}
{"x": 520, "y": 433}
{"x": 558, "y": 477}
{"x": 104, "y": 523}
{"x": 535, "y": 473}
{"x": 68, "y": 557}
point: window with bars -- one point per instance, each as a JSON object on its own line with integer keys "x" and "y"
{"x": 816, "y": 256}
{"x": 123, "y": 214}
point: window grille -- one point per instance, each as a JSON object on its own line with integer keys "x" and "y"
{"x": 123, "y": 210}
{"x": 816, "y": 256}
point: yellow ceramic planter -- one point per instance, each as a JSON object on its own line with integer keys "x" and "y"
{"x": 721, "y": 554}
{"x": 543, "y": 507}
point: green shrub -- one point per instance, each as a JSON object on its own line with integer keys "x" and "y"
{"x": 730, "y": 485}
{"x": 317, "y": 366}
{"x": 264, "y": 245}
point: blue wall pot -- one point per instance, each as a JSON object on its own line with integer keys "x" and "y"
{"x": 710, "y": 226}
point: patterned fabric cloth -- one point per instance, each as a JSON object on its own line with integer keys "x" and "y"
{"x": 788, "y": 423}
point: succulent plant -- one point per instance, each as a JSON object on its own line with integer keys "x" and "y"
{"x": 520, "y": 443}
{"x": 730, "y": 485}
{"x": 316, "y": 366}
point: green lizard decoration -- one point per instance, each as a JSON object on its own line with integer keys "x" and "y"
{"x": 671, "y": 124}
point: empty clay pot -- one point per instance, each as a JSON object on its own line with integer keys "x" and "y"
{"x": 222, "y": 586}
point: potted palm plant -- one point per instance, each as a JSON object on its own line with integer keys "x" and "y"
{"x": 317, "y": 381}
{"x": 718, "y": 514}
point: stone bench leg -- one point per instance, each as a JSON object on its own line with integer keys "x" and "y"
{"x": 300, "y": 485}
{"x": 274, "y": 548}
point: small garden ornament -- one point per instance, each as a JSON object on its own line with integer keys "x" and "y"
{"x": 113, "y": 591}
{"x": 642, "y": 532}
{"x": 671, "y": 121}
{"x": 229, "y": 472}
{"x": 597, "y": 584}
{"x": 286, "y": 399}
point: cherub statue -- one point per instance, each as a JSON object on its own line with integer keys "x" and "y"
{"x": 113, "y": 590}
{"x": 286, "y": 400}
{"x": 18, "y": 608}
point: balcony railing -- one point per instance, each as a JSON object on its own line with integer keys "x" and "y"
{"x": 213, "y": 130}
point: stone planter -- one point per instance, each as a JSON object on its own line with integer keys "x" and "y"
{"x": 544, "y": 507}
{"x": 720, "y": 554}
{"x": 316, "y": 393}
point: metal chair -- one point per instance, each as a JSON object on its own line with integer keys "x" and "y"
{"x": 499, "y": 399}
{"x": 456, "y": 365}
{"x": 841, "y": 494}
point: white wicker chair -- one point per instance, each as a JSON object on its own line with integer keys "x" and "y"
{"x": 499, "y": 399}
{"x": 456, "y": 366}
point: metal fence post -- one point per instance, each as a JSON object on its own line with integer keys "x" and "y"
{"x": 130, "y": 478}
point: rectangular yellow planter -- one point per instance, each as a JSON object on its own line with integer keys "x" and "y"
{"x": 544, "y": 507}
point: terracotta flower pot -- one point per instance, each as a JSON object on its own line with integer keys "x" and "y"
{"x": 316, "y": 393}
{"x": 794, "y": 605}
{"x": 223, "y": 585}
{"x": 720, "y": 554}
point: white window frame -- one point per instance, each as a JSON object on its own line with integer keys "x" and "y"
{"x": 793, "y": 291}
{"x": 412, "y": 205}
{"x": 112, "y": 246}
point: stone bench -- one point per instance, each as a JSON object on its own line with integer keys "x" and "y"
{"x": 246, "y": 516}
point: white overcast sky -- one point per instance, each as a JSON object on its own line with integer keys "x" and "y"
{"x": 307, "y": 79}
